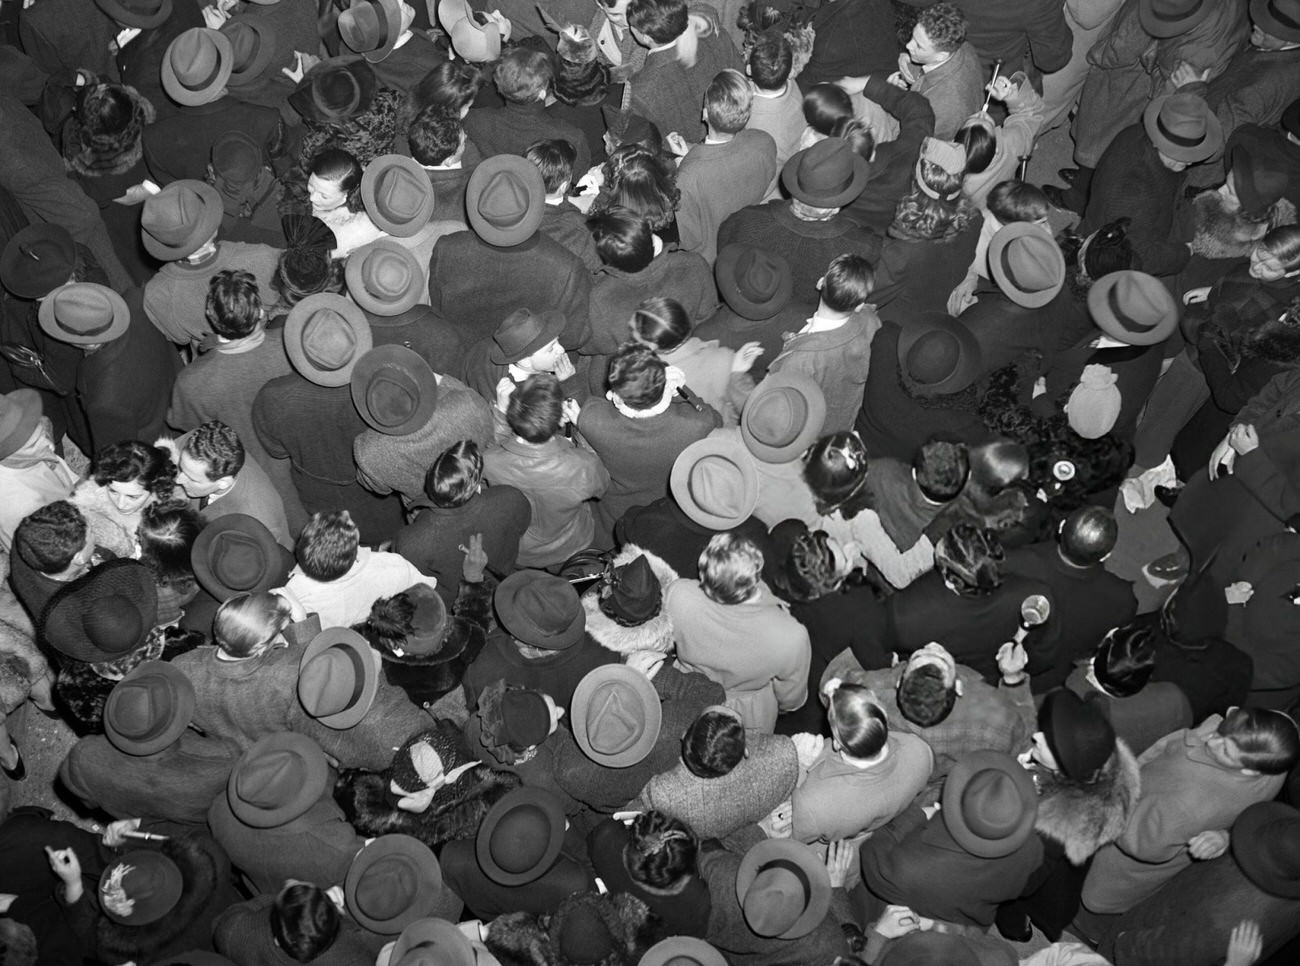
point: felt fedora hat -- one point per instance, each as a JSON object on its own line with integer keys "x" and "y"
{"x": 139, "y": 888}
{"x": 782, "y": 417}
{"x": 783, "y": 888}
{"x": 432, "y": 942}
{"x": 505, "y": 199}
{"x": 1266, "y": 844}
{"x": 634, "y": 593}
{"x": 1260, "y": 178}
{"x": 755, "y": 284}
{"x": 829, "y": 174}
{"x": 540, "y": 610}
{"x": 335, "y": 90}
{"x": 277, "y": 779}
{"x": 398, "y": 194}
{"x": 37, "y": 260}
{"x": 371, "y": 27}
{"x": 521, "y": 836}
{"x": 522, "y": 333}
{"x": 104, "y": 615}
{"x": 472, "y": 35}
{"x": 385, "y": 278}
{"x": 145, "y": 14}
{"x": 615, "y": 715}
{"x": 715, "y": 483}
{"x": 1133, "y": 307}
{"x": 682, "y": 951}
{"x": 179, "y": 219}
{"x": 1277, "y": 18}
{"x": 392, "y": 882}
{"x": 1172, "y": 18}
{"x": 20, "y": 414}
{"x": 252, "y": 46}
{"x": 394, "y": 390}
{"x": 1182, "y": 126}
{"x": 84, "y": 313}
{"x": 237, "y": 554}
{"x": 989, "y": 804}
{"x": 338, "y": 678}
{"x": 197, "y": 66}
{"x": 937, "y": 355}
{"x": 325, "y": 337}
{"x": 148, "y": 709}
{"x": 1027, "y": 264}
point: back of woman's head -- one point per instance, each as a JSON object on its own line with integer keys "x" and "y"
{"x": 455, "y": 475}
{"x": 714, "y": 743}
{"x": 1017, "y": 201}
{"x": 1283, "y": 243}
{"x": 1125, "y": 659}
{"x": 661, "y": 851}
{"x": 643, "y": 182}
{"x": 661, "y": 323}
{"x": 1108, "y": 250}
{"x": 835, "y": 469}
{"x": 107, "y": 112}
{"x": 824, "y": 105}
{"x": 304, "y": 921}
{"x": 981, "y": 144}
{"x": 731, "y": 568}
{"x": 995, "y": 466}
{"x": 452, "y": 86}
{"x": 970, "y": 559}
{"x": 167, "y": 532}
{"x": 857, "y": 721}
{"x": 247, "y": 622}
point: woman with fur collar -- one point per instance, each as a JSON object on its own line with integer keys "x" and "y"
{"x": 1088, "y": 784}
{"x": 625, "y": 610}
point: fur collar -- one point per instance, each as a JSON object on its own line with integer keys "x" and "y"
{"x": 656, "y": 634}
{"x": 1224, "y": 233}
{"x": 119, "y": 943}
{"x": 1082, "y": 817}
{"x": 103, "y": 157}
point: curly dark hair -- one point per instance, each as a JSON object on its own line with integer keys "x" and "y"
{"x": 132, "y": 460}
{"x": 642, "y": 181}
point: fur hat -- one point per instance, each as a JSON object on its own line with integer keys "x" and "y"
{"x": 1080, "y": 737}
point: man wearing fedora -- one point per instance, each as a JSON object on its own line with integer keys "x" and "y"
{"x": 380, "y": 31}
{"x": 148, "y": 28}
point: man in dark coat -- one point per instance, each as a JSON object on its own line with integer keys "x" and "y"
{"x": 854, "y": 38}
{"x": 893, "y": 163}
{"x": 154, "y": 25}
{"x": 66, "y": 35}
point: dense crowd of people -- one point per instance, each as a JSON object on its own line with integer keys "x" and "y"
{"x": 650, "y": 483}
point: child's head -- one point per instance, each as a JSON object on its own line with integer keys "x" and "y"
{"x": 848, "y": 283}
{"x": 247, "y": 624}
{"x": 327, "y": 546}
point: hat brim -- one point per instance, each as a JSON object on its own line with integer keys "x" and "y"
{"x": 11, "y": 259}
{"x": 1249, "y": 846}
{"x": 393, "y": 21}
{"x": 252, "y": 528}
{"x": 206, "y": 226}
{"x": 966, "y": 768}
{"x": 253, "y": 72}
{"x": 812, "y": 430}
{"x": 646, "y": 695}
{"x": 1267, "y": 21}
{"x": 552, "y": 328}
{"x": 50, "y": 324}
{"x": 554, "y": 813}
{"x": 367, "y": 659}
{"x": 968, "y": 367}
{"x": 313, "y": 787}
{"x": 30, "y": 411}
{"x": 189, "y": 97}
{"x": 63, "y": 625}
{"x": 997, "y": 248}
{"x": 680, "y": 476}
{"x": 412, "y": 364}
{"x": 182, "y": 688}
{"x": 787, "y": 850}
{"x": 1162, "y": 28}
{"x": 370, "y": 178}
{"x": 724, "y": 274}
{"x": 426, "y": 896}
{"x": 527, "y": 227}
{"x": 122, "y": 15}
{"x": 356, "y": 285}
{"x": 1207, "y": 149}
{"x": 517, "y": 625}
{"x": 680, "y": 950}
{"x": 790, "y": 178}
{"x": 1104, "y": 318}
{"x": 453, "y": 948}
{"x": 297, "y": 321}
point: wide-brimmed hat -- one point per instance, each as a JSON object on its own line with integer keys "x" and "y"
{"x": 385, "y": 278}
{"x": 144, "y": 14}
{"x": 141, "y": 887}
{"x": 714, "y": 482}
{"x": 1266, "y": 844}
{"x": 179, "y": 219}
{"x": 1171, "y": 18}
{"x": 278, "y": 779}
{"x": 783, "y": 888}
{"x": 1182, "y": 126}
{"x": 338, "y": 678}
{"x": 371, "y": 27}
{"x": 1277, "y": 18}
{"x": 1133, "y": 307}
{"x": 829, "y": 174}
{"x": 397, "y": 194}
{"x": 237, "y": 554}
{"x": 989, "y": 804}
{"x": 522, "y": 333}
{"x": 755, "y": 284}
{"x": 505, "y": 199}
{"x": 473, "y": 37}
{"x": 392, "y": 882}
{"x": 325, "y": 337}
{"x": 84, "y": 313}
{"x": 682, "y": 951}
{"x": 634, "y": 594}
{"x": 37, "y": 260}
{"x": 335, "y": 90}
{"x": 540, "y": 610}
{"x": 937, "y": 355}
{"x": 1078, "y": 734}
{"x": 782, "y": 417}
{"x": 1260, "y": 178}
{"x": 394, "y": 390}
{"x": 104, "y": 615}
{"x": 197, "y": 66}
{"x": 428, "y": 642}
{"x": 521, "y": 836}
{"x": 432, "y": 942}
{"x": 148, "y": 709}
{"x": 1027, "y": 264}
{"x": 615, "y": 715}
{"x": 252, "y": 46}
{"x": 20, "y": 414}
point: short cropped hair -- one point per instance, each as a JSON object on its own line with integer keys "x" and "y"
{"x": 522, "y": 75}
{"x": 945, "y": 25}
{"x": 924, "y": 698}
{"x": 727, "y": 101}
{"x": 941, "y": 469}
{"x": 455, "y": 475}
{"x": 327, "y": 546}
{"x": 434, "y": 135}
{"x": 535, "y": 408}
{"x": 663, "y": 21}
{"x": 770, "y": 61}
{"x": 714, "y": 744}
{"x": 234, "y": 305}
{"x": 555, "y": 159}
{"x": 857, "y": 721}
{"x": 50, "y": 536}
{"x": 1014, "y": 200}
{"x": 1088, "y": 535}
{"x": 304, "y": 921}
{"x": 637, "y": 375}
{"x": 215, "y": 445}
{"x": 849, "y": 281}
{"x": 1268, "y": 740}
{"x": 623, "y": 239}
{"x": 731, "y": 568}
{"x": 247, "y": 621}
{"x": 661, "y": 323}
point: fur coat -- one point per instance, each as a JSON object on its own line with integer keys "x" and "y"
{"x": 1222, "y": 232}
{"x": 100, "y": 156}
{"x": 655, "y": 635}
{"x": 1084, "y": 817}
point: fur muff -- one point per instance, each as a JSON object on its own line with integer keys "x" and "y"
{"x": 199, "y": 877}
{"x": 522, "y": 939}
{"x": 656, "y": 634}
{"x": 1084, "y": 817}
{"x": 1223, "y": 232}
{"x": 101, "y": 155}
